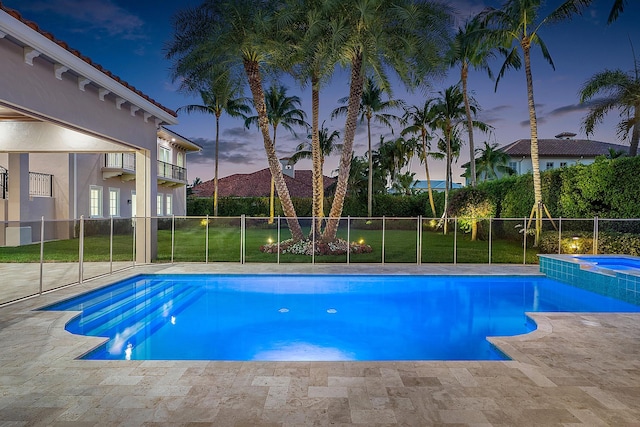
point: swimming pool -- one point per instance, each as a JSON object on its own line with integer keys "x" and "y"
{"x": 318, "y": 317}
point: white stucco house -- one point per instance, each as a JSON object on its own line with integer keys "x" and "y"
{"x": 558, "y": 152}
{"x": 76, "y": 140}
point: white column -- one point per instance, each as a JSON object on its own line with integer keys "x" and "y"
{"x": 17, "y": 205}
{"x": 146, "y": 190}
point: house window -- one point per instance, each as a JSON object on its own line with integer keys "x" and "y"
{"x": 95, "y": 201}
{"x": 159, "y": 200}
{"x": 169, "y": 207}
{"x": 563, "y": 164}
{"x": 133, "y": 204}
{"x": 114, "y": 202}
{"x": 164, "y": 154}
{"x": 549, "y": 165}
{"x": 514, "y": 166}
{"x": 180, "y": 159}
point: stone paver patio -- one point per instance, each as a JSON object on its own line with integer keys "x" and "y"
{"x": 575, "y": 369}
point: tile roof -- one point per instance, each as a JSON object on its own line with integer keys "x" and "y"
{"x": 562, "y": 147}
{"x": 258, "y": 184}
{"x": 15, "y": 14}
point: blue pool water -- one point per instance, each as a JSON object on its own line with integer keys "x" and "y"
{"x": 296, "y": 317}
{"x": 612, "y": 262}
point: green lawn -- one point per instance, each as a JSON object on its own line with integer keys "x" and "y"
{"x": 224, "y": 246}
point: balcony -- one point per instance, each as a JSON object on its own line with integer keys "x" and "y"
{"x": 40, "y": 184}
{"x": 124, "y": 166}
{"x": 171, "y": 175}
{"x": 119, "y": 164}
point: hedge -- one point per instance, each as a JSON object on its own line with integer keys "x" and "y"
{"x": 608, "y": 188}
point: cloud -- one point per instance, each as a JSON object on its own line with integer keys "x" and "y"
{"x": 572, "y": 108}
{"x": 230, "y": 151}
{"x": 97, "y": 17}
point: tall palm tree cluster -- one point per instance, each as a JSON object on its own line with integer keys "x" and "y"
{"x": 222, "y": 46}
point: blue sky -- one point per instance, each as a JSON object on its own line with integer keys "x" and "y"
{"x": 127, "y": 38}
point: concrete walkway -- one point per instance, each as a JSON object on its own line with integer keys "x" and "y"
{"x": 575, "y": 369}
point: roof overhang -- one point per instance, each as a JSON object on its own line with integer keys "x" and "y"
{"x": 63, "y": 59}
{"x": 176, "y": 139}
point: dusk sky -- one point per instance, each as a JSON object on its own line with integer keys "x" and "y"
{"x": 127, "y": 38}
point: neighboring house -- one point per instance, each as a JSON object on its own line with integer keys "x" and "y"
{"x": 558, "y": 152}
{"x": 258, "y": 184}
{"x": 76, "y": 140}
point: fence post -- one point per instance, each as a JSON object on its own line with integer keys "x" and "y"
{"x": 559, "y": 235}
{"x": 111, "y": 246}
{"x": 173, "y": 234}
{"x": 278, "y": 244}
{"x": 490, "y": 220}
{"x": 596, "y": 231}
{"x": 524, "y": 244}
{"x": 455, "y": 239}
{"x": 206, "y": 241}
{"x": 81, "y": 250}
{"x": 41, "y": 251}
{"x": 348, "y": 239}
{"x": 242, "y": 232}
{"x": 313, "y": 240}
{"x": 418, "y": 243}
{"x": 383, "y": 232}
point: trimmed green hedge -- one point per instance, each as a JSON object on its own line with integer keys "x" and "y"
{"x": 608, "y": 188}
{"x": 383, "y": 205}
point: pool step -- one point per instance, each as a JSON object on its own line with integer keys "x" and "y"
{"x": 95, "y": 314}
{"x": 148, "y": 300}
{"x": 144, "y": 309}
{"x": 145, "y": 324}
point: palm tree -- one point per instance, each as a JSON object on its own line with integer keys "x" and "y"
{"x": 421, "y": 119}
{"x": 281, "y": 110}
{"x": 616, "y": 9}
{"x": 313, "y": 61}
{"x": 372, "y": 107}
{"x": 491, "y": 161}
{"x": 622, "y": 92}
{"x": 402, "y": 36}
{"x": 404, "y": 182}
{"x": 517, "y": 25}
{"x": 469, "y": 49}
{"x": 220, "y": 96}
{"x": 238, "y": 37}
{"x": 450, "y": 117}
{"x": 392, "y": 156}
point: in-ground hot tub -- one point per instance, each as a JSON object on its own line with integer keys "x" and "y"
{"x": 616, "y": 276}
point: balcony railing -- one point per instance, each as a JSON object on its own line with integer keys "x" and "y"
{"x": 3, "y": 184}
{"x": 40, "y": 184}
{"x": 167, "y": 170}
{"x": 125, "y": 161}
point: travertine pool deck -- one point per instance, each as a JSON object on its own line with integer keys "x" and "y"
{"x": 574, "y": 370}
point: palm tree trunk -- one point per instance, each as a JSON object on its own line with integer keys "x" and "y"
{"x": 272, "y": 192}
{"x": 316, "y": 155}
{"x": 535, "y": 161}
{"x": 426, "y": 170}
{"x": 447, "y": 181}
{"x": 467, "y": 110}
{"x": 635, "y": 133}
{"x": 355, "y": 93}
{"x": 215, "y": 175}
{"x": 255, "y": 83}
{"x": 370, "y": 177}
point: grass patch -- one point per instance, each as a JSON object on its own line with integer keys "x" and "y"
{"x": 190, "y": 245}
